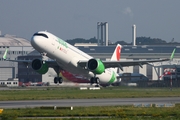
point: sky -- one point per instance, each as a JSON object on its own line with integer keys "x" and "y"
{"x": 70, "y": 19}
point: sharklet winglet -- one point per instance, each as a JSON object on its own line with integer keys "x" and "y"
{"x": 172, "y": 54}
{"x": 5, "y": 54}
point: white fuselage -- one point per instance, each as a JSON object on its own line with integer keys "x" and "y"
{"x": 67, "y": 56}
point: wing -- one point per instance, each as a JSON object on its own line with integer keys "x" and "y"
{"x": 109, "y": 64}
{"x": 120, "y": 64}
{"x": 51, "y": 64}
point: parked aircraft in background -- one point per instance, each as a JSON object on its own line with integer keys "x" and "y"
{"x": 69, "y": 58}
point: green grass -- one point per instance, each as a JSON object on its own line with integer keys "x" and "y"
{"x": 111, "y": 112}
{"x": 74, "y": 93}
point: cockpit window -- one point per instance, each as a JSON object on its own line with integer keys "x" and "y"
{"x": 41, "y": 34}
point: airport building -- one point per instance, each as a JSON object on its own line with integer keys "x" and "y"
{"x": 16, "y": 47}
{"x": 21, "y": 49}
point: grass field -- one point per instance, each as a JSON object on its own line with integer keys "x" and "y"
{"x": 48, "y": 93}
{"x": 110, "y": 112}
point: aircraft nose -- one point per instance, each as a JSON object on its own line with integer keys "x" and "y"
{"x": 38, "y": 39}
{"x": 34, "y": 41}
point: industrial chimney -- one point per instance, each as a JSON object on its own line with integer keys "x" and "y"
{"x": 106, "y": 33}
{"x": 98, "y": 26}
{"x": 102, "y": 33}
{"x": 134, "y": 35}
{"x": 102, "y": 40}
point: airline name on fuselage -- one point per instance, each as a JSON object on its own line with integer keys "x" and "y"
{"x": 62, "y": 42}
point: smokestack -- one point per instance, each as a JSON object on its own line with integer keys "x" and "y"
{"x": 102, "y": 32}
{"x": 98, "y": 25}
{"x": 102, "y": 41}
{"x": 106, "y": 33}
{"x": 134, "y": 35}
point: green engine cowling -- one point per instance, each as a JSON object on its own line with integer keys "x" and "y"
{"x": 96, "y": 66}
{"x": 39, "y": 66}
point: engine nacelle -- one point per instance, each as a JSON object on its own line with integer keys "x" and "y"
{"x": 39, "y": 66}
{"x": 96, "y": 66}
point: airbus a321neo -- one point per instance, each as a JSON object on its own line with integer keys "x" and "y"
{"x": 69, "y": 58}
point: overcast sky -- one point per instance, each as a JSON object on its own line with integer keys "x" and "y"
{"x": 69, "y": 19}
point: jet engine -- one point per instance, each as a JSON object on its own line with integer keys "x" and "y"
{"x": 96, "y": 66}
{"x": 40, "y": 66}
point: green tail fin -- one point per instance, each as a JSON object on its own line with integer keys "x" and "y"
{"x": 5, "y": 54}
{"x": 172, "y": 54}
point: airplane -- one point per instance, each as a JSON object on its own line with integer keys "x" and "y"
{"x": 67, "y": 57}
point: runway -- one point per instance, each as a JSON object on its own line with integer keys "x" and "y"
{"x": 87, "y": 102}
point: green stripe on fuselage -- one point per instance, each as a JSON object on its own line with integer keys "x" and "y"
{"x": 62, "y": 42}
{"x": 113, "y": 78}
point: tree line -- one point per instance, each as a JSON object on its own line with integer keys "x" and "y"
{"x": 139, "y": 41}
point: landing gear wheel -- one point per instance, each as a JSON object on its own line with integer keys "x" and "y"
{"x": 58, "y": 80}
{"x": 95, "y": 80}
{"x": 92, "y": 80}
{"x": 55, "y": 80}
{"x": 97, "y": 85}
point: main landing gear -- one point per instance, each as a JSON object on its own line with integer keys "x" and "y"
{"x": 57, "y": 69}
{"x": 95, "y": 80}
{"x": 58, "y": 80}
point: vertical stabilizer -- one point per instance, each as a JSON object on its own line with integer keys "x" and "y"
{"x": 116, "y": 56}
{"x": 117, "y": 53}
